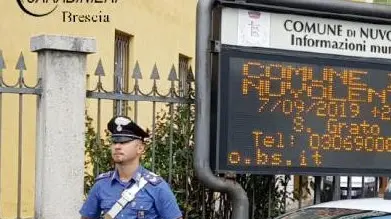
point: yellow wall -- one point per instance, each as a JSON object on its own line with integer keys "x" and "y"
{"x": 161, "y": 29}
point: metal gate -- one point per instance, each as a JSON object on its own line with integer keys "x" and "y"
{"x": 17, "y": 123}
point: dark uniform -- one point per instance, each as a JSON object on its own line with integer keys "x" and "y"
{"x": 154, "y": 200}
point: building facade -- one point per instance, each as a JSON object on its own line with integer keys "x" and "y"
{"x": 147, "y": 32}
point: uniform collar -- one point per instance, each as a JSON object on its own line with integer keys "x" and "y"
{"x": 136, "y": 176}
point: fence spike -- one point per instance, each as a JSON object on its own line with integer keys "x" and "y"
{"x": 172, "y": 76}
{"x": 137, "y": 72}
{"x": 99, "y": 69}
{"x": 21, "y": 65}
{"x": 2, "y": 63}
{"x": 118, "y": 70}
{"x": 155, "y": 73}
{"x": 190, "y": 75}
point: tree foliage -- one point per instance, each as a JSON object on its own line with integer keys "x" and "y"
{"x": 97, "y": 154}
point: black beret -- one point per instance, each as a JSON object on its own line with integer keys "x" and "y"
{"x": 123, "y": 129}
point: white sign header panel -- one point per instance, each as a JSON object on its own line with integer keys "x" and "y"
{"x": 303, "y": 33}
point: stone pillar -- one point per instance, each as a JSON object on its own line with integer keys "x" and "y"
{"x": 60, "y": 124}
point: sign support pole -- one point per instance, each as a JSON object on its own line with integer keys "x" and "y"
{"x": 203, "y": 74}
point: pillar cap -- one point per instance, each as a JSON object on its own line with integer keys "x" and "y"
{"x": 63, "y": 43}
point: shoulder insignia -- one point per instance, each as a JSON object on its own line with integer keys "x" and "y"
{"x": 152, "y": 178}
{"x": 104, "y": 175}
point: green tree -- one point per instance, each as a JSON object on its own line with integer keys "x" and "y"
{"x": 97, "y": 153}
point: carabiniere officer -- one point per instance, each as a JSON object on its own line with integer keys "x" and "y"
{"x": 129, "y": 191}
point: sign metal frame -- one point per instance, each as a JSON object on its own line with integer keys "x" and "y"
{"x": 219, "y": 115}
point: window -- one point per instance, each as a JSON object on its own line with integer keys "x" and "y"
{"x": 184, "y": 65}
{"x": 121, "y": 69}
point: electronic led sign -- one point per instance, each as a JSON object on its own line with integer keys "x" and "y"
{"x": 298, "y": 113}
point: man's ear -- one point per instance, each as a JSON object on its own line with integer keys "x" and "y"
{"x": 141, "y": 147}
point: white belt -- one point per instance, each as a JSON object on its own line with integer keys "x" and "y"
{"x": 127, "y": 196}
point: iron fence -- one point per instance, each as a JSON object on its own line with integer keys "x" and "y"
{"x": 172, "y": 143}
{"x": 18, "y": 91}
{"x": 170, "y": 151}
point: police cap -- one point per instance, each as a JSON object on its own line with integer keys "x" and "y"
{"x": 123, "y": 129}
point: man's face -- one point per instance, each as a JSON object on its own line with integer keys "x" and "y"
{"x": 126, "y": 152}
